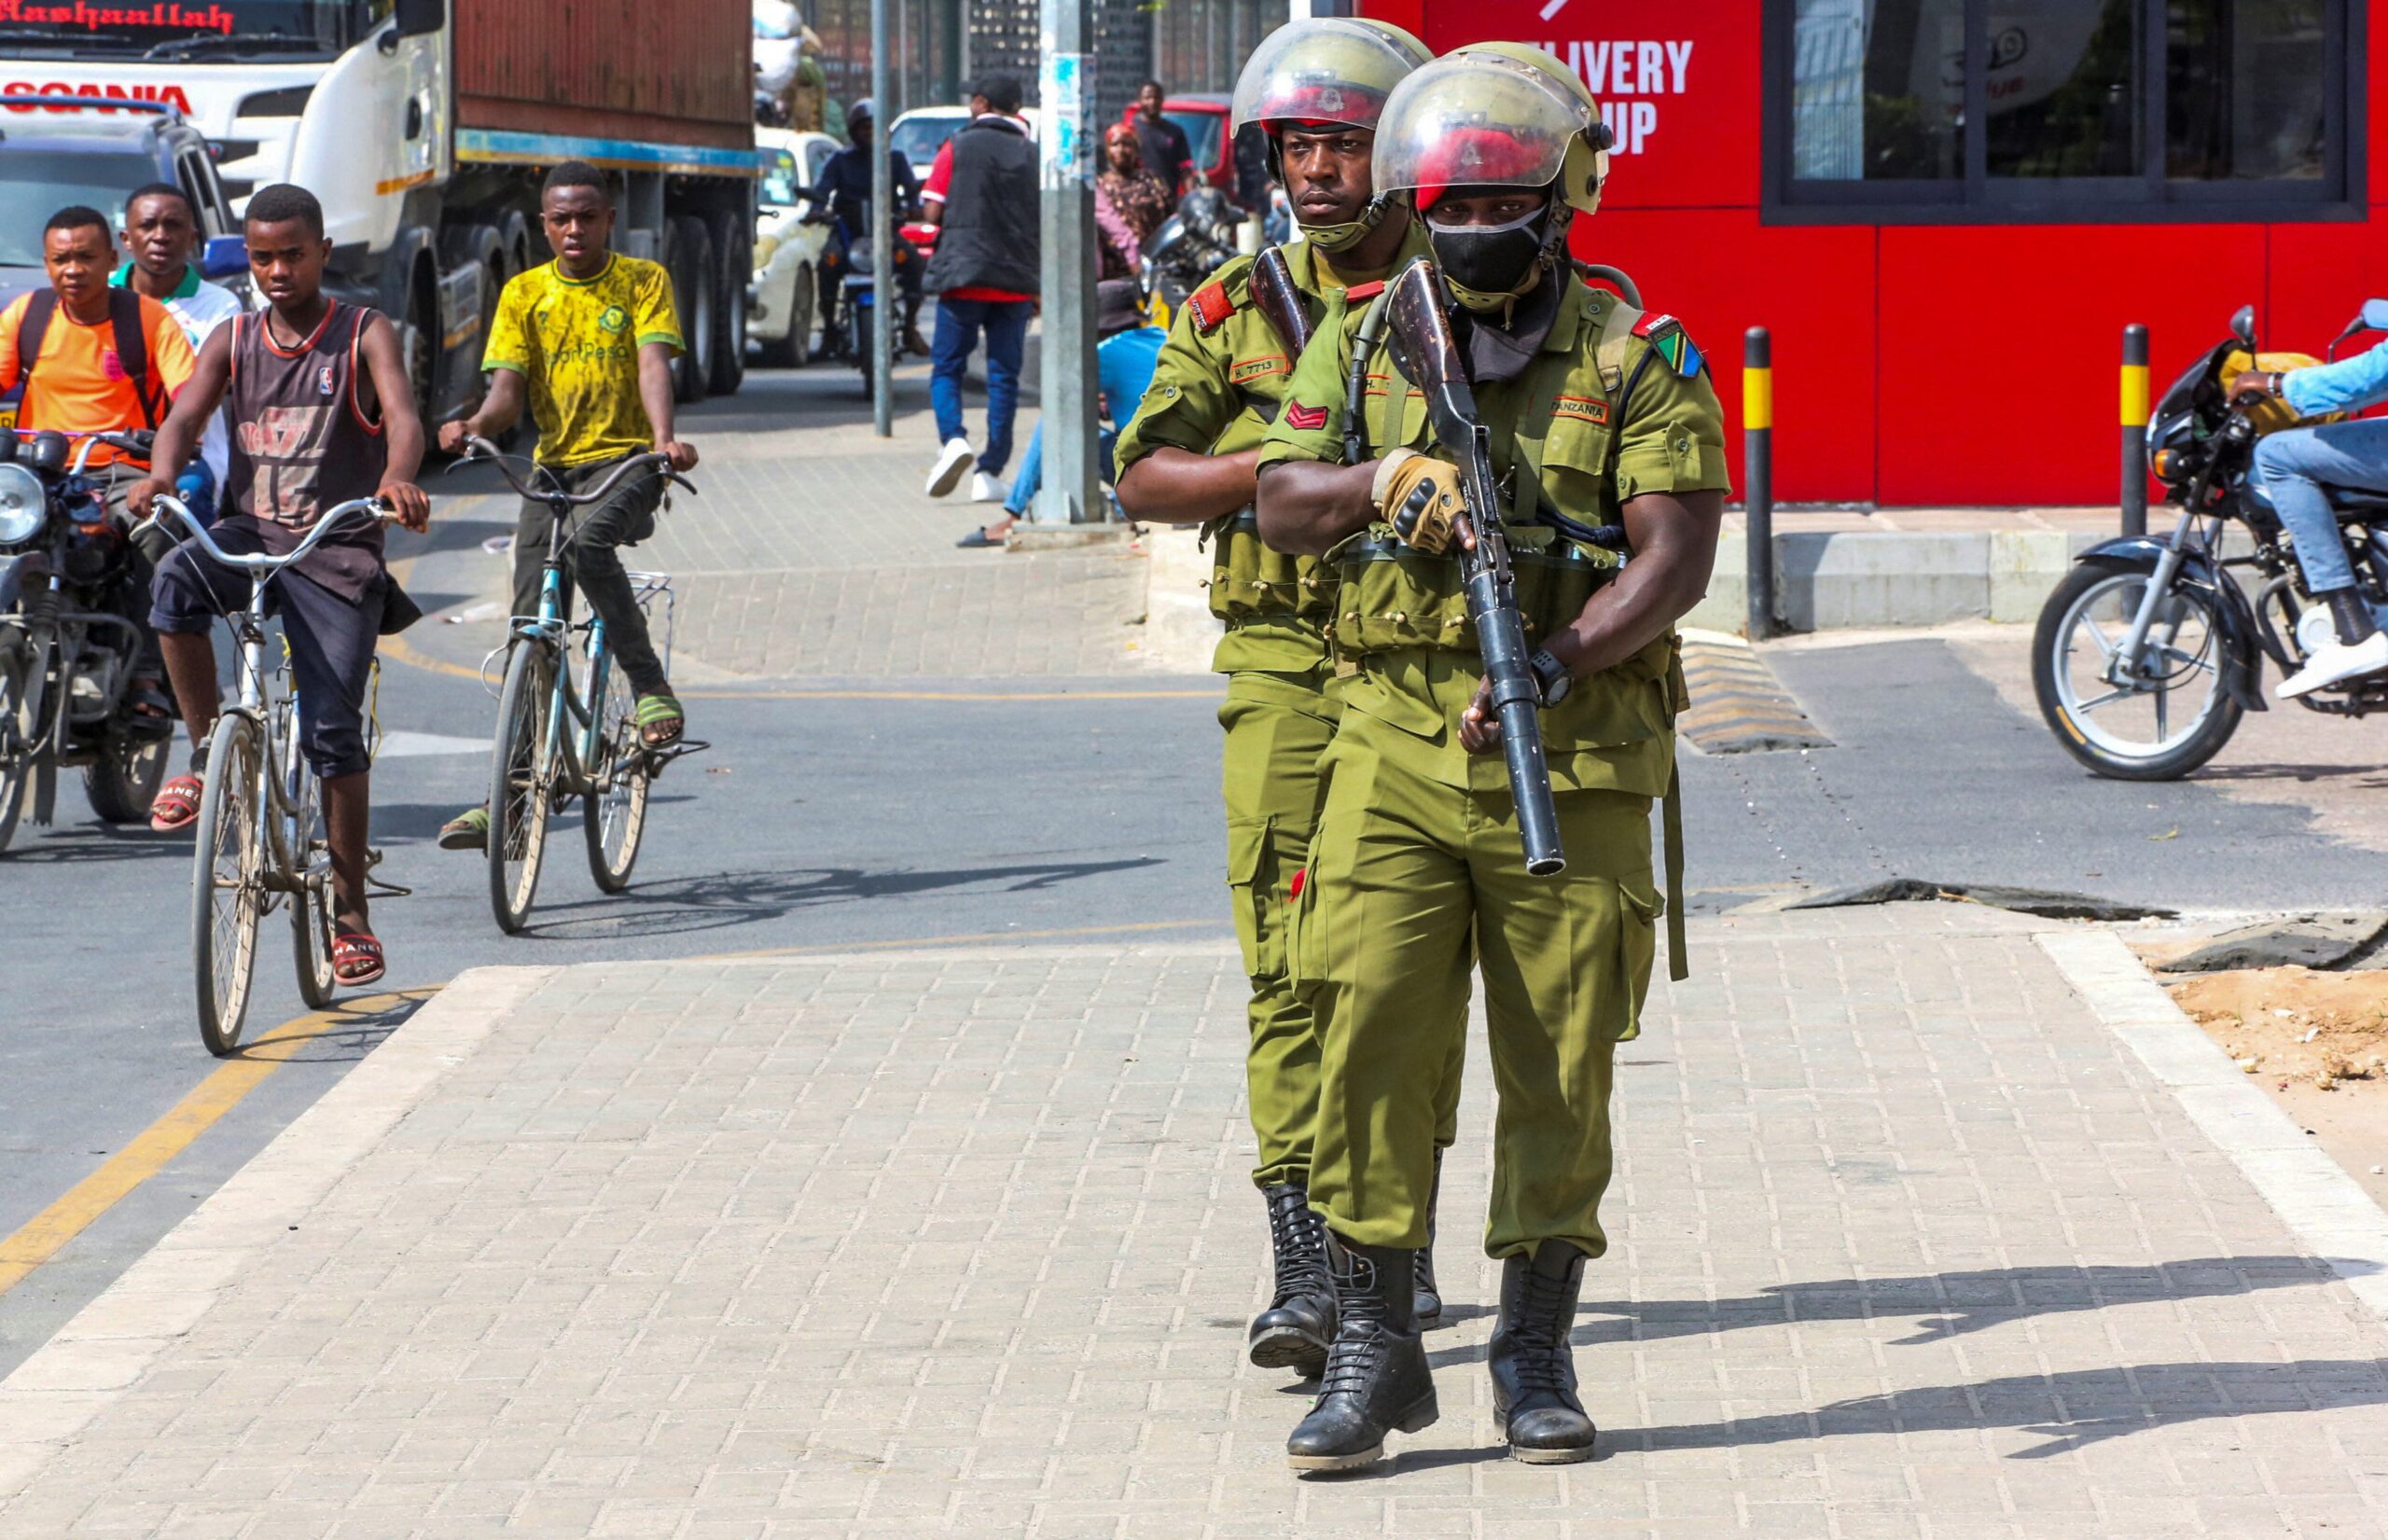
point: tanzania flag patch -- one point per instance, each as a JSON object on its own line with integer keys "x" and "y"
{"x": 1304, "y": 419}
{"x": 1248, "y": 370}
{"x": 1584, "y": 408}
{"x": 1666, "y": 334}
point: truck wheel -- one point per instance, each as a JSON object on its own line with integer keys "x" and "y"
{"x": 734, "y": 258}
{"x": 689, "y": 258}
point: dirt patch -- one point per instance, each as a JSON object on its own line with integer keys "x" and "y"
{"x": 2317, "y": 1043}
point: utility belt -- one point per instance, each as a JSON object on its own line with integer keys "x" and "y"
{"x": 1391, "y": 595}
{"x": 1250, "y": 581}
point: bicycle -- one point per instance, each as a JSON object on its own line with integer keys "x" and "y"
{"x": 260, "y": 834}
{"x": 535, "y": 765}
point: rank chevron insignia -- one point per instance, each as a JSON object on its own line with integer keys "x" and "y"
{"x": 1304, "y": 419}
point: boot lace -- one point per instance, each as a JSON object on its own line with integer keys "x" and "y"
{"x": 1298, "y": 1241}
{"x": 1539, "y": 1365}
{"x": 1359, "y": 1336}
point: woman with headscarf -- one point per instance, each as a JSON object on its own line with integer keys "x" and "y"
{"x": 1140, "y": 198}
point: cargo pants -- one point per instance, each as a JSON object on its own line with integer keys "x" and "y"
{"x": 1406, "y": 874}
{"x": 1277, "y": 727}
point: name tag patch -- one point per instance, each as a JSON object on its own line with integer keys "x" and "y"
{"x": 1245, "y": 371}
{"x": 1584, "y": 408}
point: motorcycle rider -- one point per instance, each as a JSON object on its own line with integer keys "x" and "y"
{"x": 2294, "y": 466}
{"x": 1188, "y": 458}
{"x": 843, "y": 189}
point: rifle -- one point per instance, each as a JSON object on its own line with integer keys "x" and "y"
{"x": 1428, "y": 354}
{"x": 1279, "y": 303}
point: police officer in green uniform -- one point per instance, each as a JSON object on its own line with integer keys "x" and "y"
{"x": 1607, "y": 435}
{"x": 1188, "y": 458}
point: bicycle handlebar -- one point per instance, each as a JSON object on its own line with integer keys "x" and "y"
{"x": 484, "y": 451}
{"x": 259, "y": 562}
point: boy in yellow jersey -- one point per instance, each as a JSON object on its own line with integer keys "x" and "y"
{"x": 589, "y": 338}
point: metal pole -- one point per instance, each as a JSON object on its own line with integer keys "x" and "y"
{"x": 2134, "y": 414}
{"x": 1758, "y": 476}
{"x": 882, "y": 238}
{"x": 1070, "y": 493}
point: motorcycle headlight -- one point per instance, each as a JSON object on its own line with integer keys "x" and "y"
{"x": 22, "y": 505}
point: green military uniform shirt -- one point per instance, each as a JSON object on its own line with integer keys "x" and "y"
{"x": 1215, "y": 388}
{"x": 1598, "y": 417}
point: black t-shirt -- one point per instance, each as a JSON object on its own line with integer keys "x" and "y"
{"x": 1165, "y": 150}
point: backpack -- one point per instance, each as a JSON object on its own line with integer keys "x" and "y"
{"x": 131, "y": 343}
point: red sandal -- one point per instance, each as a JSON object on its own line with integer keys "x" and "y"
{"x": 177, "y": 804}
{"x": 356, "y": 959}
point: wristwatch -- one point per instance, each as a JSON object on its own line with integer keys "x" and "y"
{"x": 1552, "y": 676}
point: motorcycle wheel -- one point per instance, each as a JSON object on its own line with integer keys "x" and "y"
{"x": 2147, "y": 733}
{"x": 865, "y": 354}
{"x": 123, "y": 780}
{"x": 20, "y": 724}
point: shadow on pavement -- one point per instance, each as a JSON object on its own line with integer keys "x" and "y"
{"x": 717, "y": 902}
{"x": 2069, "y": 1411}
{"x": 75, "y": 844}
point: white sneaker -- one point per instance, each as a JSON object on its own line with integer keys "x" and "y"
{"x": 2335, "y": 662}
{"x": 988, "y": 489}
{"x": 947, "y": 473}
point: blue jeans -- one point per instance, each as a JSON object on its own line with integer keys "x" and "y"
{"x": 1031, "y": 468}
{"x": 958, "y": 325}
{"x": 2291, "y": 468}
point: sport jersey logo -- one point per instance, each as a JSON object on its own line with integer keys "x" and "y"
{"x": 279, "y": 433}
{"x": 1304, "y": 419}
{"x": 323, "y": 384}
{"x": 614, "y": 320}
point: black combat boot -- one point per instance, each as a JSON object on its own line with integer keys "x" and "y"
{"x": 1294, "y": 1331}
{"x": 1534, "y": 1367}
{"x": 1377, "y": 1379}
{"x": 1426, "y": 1299}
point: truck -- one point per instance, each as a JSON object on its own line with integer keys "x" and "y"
{"x": 424, "y": 127}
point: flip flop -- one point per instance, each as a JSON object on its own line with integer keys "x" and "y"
{"x": 977, "y": 539}
{"x": 468, "y": 830}
{"x": 357, "y": 960}
{"x": 152, "y": 710}
{"x": 658, "y": 712}
{"x": 176, "y": 806}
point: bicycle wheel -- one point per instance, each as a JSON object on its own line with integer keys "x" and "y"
{"x": 310, "y": 907}
{"x": 521, "y": 785}
{"x": 227, "y": 884}
{"x": 614, "y": 813}
{"x": 20, "y": 725}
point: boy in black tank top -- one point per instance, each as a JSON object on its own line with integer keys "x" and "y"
{"x": 322, "y": 412}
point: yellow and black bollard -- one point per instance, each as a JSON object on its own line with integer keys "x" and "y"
{"x": 1758, "y": 476}
{"x": 2135, "y": 413}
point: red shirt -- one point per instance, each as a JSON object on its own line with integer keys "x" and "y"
{"x": 933, "y": 191}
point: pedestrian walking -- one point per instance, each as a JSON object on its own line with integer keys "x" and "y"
{"x": 1603, "y": 420}
{"x": 981, "y": 194}
{"x": 1167, "y": 154}
{"x": 1188, "y": 458}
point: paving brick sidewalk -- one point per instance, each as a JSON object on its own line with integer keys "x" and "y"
{"x": 1909, "y": 1243}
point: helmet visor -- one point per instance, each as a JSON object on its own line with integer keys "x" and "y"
{"x": 1326, "y": 70}
{"x": 1473, "y": 121}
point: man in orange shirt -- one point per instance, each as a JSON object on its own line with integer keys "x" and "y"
{"x": 101, "y": 360}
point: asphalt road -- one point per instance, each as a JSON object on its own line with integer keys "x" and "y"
{"x": 1057, "y": 809}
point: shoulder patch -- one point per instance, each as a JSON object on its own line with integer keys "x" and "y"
{"x": 1211, "y": 306}
{"x": 1674, "y": 344}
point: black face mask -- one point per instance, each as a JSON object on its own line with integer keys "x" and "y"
{"x": 1488, "y": 261}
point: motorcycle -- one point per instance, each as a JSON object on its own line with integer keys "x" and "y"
{"x": 2150, "y": 651}
{"x": 67, "y": 659}
{"x": 859, "y": 307}
{"x": 1185, "y": 249}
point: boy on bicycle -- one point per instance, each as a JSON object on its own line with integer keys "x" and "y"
{"x": 322, "y": 412}
{"x": 590, "y": 337}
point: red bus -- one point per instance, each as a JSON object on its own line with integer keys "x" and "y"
{"x": 1947, "y": 304}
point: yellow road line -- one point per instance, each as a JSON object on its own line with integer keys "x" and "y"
{"x": 39, "y": 1238}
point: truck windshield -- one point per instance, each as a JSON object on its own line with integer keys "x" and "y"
{"x": 37, "y": 181}
{"x": 177, "y": 29}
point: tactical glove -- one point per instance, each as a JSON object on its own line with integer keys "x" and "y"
{"x": 1418, "y": 498}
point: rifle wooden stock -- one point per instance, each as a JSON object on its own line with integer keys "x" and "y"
{"x": 1428, "y": 354}
{"x": 1279, "y": 303}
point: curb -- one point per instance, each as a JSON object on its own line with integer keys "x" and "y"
{"x": 2326, "y": 1208}
{"x": 100, "y": 1353}
{"x": 1843, "y": 580}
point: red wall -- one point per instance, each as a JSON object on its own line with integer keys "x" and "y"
{"x": 1915, "y": 364}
